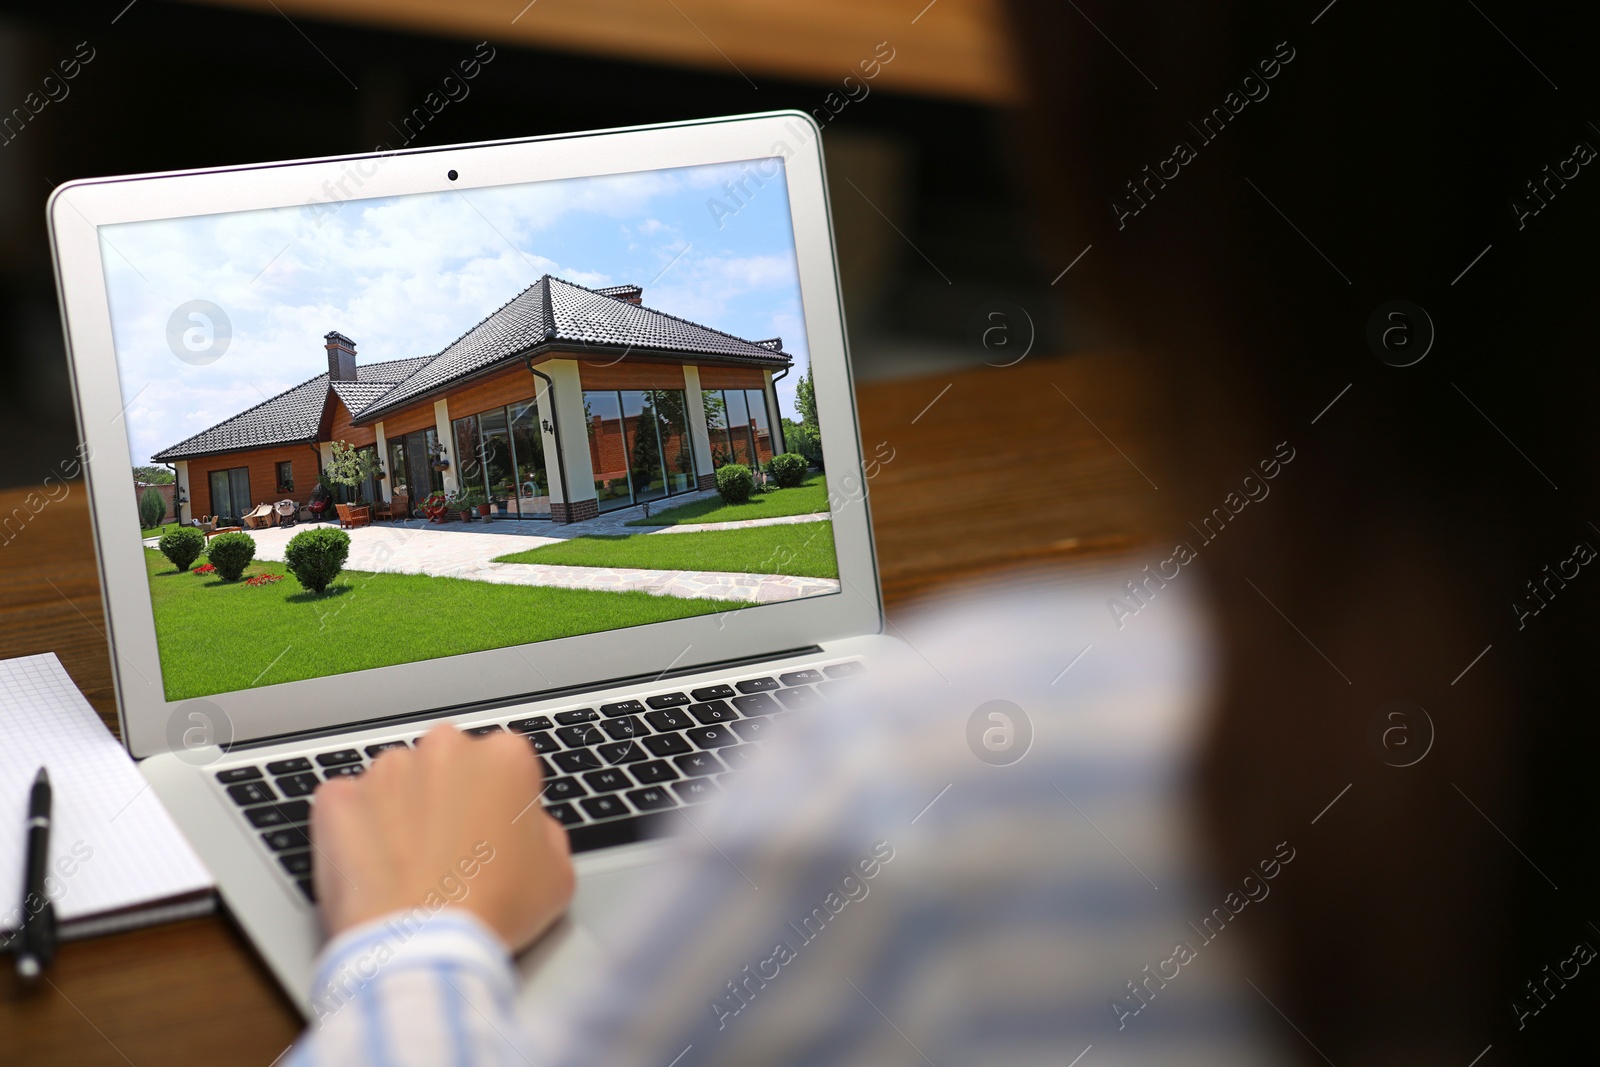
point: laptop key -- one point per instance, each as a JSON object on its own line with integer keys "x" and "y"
{"x": 669, "y": 720}
{"x": 657, "y": 770}
{"x": 527, "y": 726}
{"x": 307, "y": 889}
{"x": 714, "y": 692}
{"x": 652, "y": 799}
{"x": 348, "y": 770}
{"x": 622, "y": 707}
{"x": 713, "y": 711}
{"x": 604, "y": 807}
{"x": 801, "y": 696}
{"x": 622, "y": 752}
{"x": 483, "y": 731}
{"x": 543, "y": 742}
{"x": 667, "y": 700}
{"x": 626, "y": 726}
{"x": 806, "y": 677}
{"x": 335, "y": 759}
{"x": 296, "y": 862}
{"x": 739, "y": 756}
{"x": 579, "y": 736}
{"x": 844, "y": 670}
{"x": 384, "y": 746}
{"x": 285, "y": 838}
{"x": 573, "y": 718}
{"x": 757, "y": 704}
{"x": 752, "y": 729}
{"x": 608, "y": 781}
{"x": 563, "y": 789}
{"x": 666, "y": 744}
{"x": 289, "y": 766}
{"x": 251, "y": 793}
{"x": 577, "y": 760}
{"x": 238, "y": 774}
{"x": 711, "y": 736}
{"x": 565, "y": 814}
{"x": 697, "y": 763}
{"x": 757, "y": 685}
{"x": 289, "y": 811}
{"x": 299, "y": 785}
{"x": 695, "y": 790}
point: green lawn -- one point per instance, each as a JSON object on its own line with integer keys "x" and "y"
{"x": 157, "y": 531}
{"x": 800, "y": 548}
{"x": 808, "y": 498}
{"x": 217, "y": 636}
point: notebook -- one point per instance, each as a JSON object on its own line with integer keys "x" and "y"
{"x": 116, "y": 859}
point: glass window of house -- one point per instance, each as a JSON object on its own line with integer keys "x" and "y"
{"x": 644, "y": 445}
{"x": 677, "y": 451}
{"x": 756, "y": 401}
{"x": 738, "y": 425}
{"x": 717, "y": 426}
{"x": 608, "y": 453}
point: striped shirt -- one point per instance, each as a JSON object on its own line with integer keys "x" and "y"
{"x": 983, "y": 855}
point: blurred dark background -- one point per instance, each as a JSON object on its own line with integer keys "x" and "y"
{"x": 173, "y": 86}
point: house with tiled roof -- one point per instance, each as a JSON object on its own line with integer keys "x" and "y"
{"x": 564, "y": 403}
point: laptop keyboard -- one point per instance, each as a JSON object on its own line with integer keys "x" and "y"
{"x": 612, "y": 772}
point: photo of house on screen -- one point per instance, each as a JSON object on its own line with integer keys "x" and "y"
{"x": 564, "y": 403}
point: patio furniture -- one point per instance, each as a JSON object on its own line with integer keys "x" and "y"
{"x": 207, "y": 524}
{"x": 396, "y": 508}
{"x": 223, "y": 530}
{"x": 260, "y": 517}
{"x": 351, "y": 515}
{"x": 286, "y": 510}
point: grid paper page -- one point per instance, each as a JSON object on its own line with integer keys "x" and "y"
{"x": 112, "y": 844}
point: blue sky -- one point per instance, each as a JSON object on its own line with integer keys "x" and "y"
{"x": 405, "y": 276}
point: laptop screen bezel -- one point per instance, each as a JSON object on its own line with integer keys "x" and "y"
{"x": 151, "y": 724}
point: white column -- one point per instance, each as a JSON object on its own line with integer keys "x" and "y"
{"x": 447, "y": 437}
{"x": 386, "y": 485}
{"x": 554, "y": 481}
{"x": 699, "y": 435}
{"x": 774, "y": 416}
{"x": 182, "y": 490}
{"x": 573, "y": 425}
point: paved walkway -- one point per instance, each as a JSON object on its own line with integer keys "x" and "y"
{"x": 467, "y": 550}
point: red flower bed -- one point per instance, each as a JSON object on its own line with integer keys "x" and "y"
{"x": 264, "y": 579}
{"x": 205, "y": 569}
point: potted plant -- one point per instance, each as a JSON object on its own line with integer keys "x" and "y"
{"x": 440, "y": 460}
{"x": 437, "y": 508}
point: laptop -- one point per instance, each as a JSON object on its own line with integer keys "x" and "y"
{"x": 464, "y": 434}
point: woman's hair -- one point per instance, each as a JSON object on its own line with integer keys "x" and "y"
{"x": 1365, "y": 234}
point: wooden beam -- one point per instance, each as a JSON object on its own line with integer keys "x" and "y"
{"x": 949, "y": 48}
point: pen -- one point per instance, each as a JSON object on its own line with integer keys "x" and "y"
{"x": 36, "y": 941}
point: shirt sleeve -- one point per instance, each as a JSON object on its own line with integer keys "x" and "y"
{"x": 413, "y": 987}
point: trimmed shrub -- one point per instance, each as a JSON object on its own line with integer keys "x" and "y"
{"x": 787, "y": 469}
{"x": 735, "y": 483}
{"x": 230, "y": 553}
{"x": 152, "y": 508}
{"x": 315, "y": 557}
{"x": 182, "y": 546}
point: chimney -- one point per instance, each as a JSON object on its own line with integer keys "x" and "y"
{"x": 628, "y": 294}
{"x": 341, "y": 357}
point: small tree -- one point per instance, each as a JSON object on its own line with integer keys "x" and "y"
{"x": 152, "y": 508}
{"x": 315, "y": 557}
{"x": 350, "y": 466}
{"x": 735, "y": 483}
{"x": 230, "y": 553}
{"x": 182, "y": 546}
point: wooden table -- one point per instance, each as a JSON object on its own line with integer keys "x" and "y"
{"x": 967, "y": 473}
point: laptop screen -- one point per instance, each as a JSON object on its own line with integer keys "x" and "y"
{"x": 379, "y": 431}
